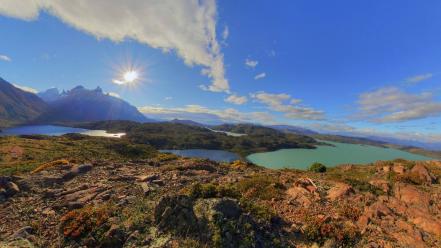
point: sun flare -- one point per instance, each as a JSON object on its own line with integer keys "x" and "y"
{"x": 130, "y": 76}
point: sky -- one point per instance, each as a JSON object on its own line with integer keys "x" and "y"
{"x": 360, "y": 67}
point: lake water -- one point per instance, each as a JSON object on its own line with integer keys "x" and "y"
{"x": 227, "y": 133}
{"x": 329, "y": 155}
{"x": 55, "y": 131}
{"x": 215, "y": 155}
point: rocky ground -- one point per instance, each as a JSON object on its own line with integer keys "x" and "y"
{"x": 168, "y": 201}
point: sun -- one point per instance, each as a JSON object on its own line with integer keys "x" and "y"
{"x": 130, "y": 76}
{"x": 129, "y": 73}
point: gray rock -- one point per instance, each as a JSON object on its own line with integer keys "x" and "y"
{"x": 77, "y": 170}
{"x": 114, "y": 237}
{"x": 22, "y": 233}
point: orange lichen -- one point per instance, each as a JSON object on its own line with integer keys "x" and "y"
{"x": 50, "y": 164}
{"x": 78, "y": 222}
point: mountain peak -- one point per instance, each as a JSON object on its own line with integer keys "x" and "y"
{"x": 81, "y": 104}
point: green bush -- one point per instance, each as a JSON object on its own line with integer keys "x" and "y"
{"x": 317, "y": 167}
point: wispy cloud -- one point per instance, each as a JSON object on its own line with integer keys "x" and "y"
{"x": 235, "y": 99}
{"x": 272, "y": 53}
{"x": 168, "y": 98}
{"x": 419, "y": 78}
{"x": 225, "y": 33}
{"x": 206, "y": 115}
{"x": 391, "y": 104}
{"x": 114, "y": 94}
{"x": 26, "y": 88}
{"x": 345, "y": 129}
{"x": 162, "y": 26}
{"x": 251, "y": 63}
{"x": 284, "y": 103}
{"x": 260, "y": 76}
{"x": 5, "y": 58}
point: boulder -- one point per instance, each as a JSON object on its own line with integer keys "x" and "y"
{"x": 340, "y": 190}
{"x": 306, "y": 183}
{"x": 114, "y": 237}
{"x": 7, "y": 188}
{"x": 399, "y": 169}
{"x": 412, "y": 196}
{"x": 422, "y": 173}
{"x": 210, "y": 209}
{"x": 175, "y": 213}
{"x": 300, "y": 195}
{"x": 77, "y": 170}
{"x": 378, "y": 210}
{"x": 425, "y": 221}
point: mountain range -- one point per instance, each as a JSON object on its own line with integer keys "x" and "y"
{"x": 83, "y": 105}
{"x": 80, "y": 105}
{"x": 77, "y": 105}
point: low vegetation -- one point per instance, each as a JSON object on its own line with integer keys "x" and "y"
{"x": 36, "y": 152}
{"x": 317, "y": 167}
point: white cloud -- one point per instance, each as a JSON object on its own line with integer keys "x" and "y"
{"x": 168, "y": 98}
{"x": 119, "y": 82}
{"x": 5, "y": 58}
{"x": 260, "y": 76}
{"x": 251, "y": 63}
{"x": 345, "y": 129}
{"x": 292, "y": 110}
{"x": 419, "y": 78}
{"x": 26, "y": 88}
{"x": 114, "y": 94}
{"x": 185, "y": 27}
{"x": 391, "y": 104}
{"x": 206, "y": 115}
{"x": 225, "y": 33}
{"x": 272, "y": 53}
{"x": 235, "y": 99}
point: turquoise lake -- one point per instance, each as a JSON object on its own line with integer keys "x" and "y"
{"x": 340, "y": 153}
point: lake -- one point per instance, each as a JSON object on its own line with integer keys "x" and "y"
{"x": 340, "y": 153}
{"x": 215, "y": 155}
{"x": 55, "y": 131}
{"x": 227, "y": 133}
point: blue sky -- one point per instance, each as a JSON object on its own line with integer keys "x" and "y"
{"x": 364, "y": 67}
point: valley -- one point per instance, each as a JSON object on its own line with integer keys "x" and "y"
{"x": 75, "y": 190}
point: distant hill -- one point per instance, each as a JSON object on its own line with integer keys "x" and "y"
{"x": 167, "y": 135}
{"x": 83, "y": 105}
{"x": 189, "y": 122}
{"x": 293, "y": 129}
{"x": 18, "y": 106}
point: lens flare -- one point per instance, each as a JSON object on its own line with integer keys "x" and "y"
{"x": 130, "y": 76}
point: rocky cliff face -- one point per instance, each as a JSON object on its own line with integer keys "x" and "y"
{"x": 18, "y": 106}
{"x": 166, "y": 201}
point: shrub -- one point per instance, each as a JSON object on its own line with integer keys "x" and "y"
{"x": 210, "y": 191}
{"x": 132, "y": 150}
{"x": 364, "y": 186}
{"x": 261, "y": 187}
{"x": 317, "y": 167}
